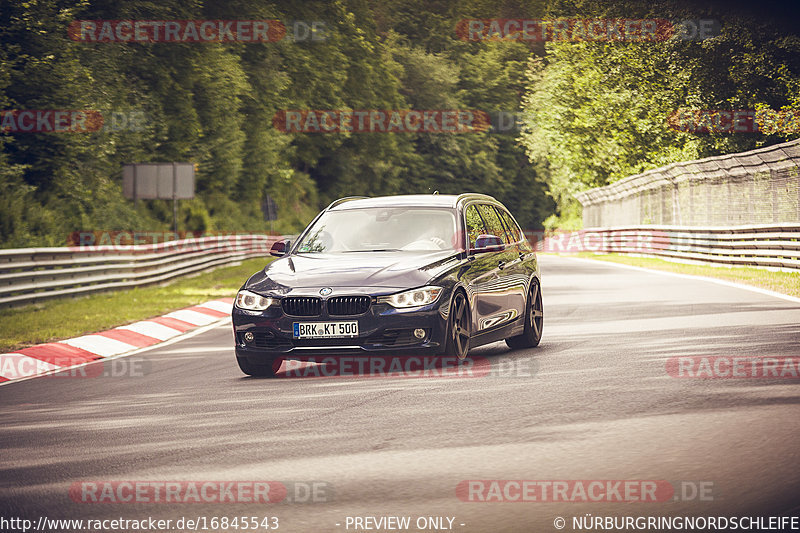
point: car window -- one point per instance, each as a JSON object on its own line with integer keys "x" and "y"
{"x": 493, "y": 224}
{"x": 475, "y": 226}
{"x": 513, "y": 230}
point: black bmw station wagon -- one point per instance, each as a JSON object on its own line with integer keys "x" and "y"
{"x": 400, "y": 275}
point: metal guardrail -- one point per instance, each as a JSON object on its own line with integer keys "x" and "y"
{"x": 759, "y": 245}
{"x": 34, "y": 274}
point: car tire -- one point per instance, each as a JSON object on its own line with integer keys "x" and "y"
{"x": 534, "y": 320}
{"x": 269, "y": 370}
{"x": 458, "y": 327}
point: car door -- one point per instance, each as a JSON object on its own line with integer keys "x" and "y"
{"x": 481, "y": 275}
{"x": 516, "y": 270}
{"x": 508, "y": 290}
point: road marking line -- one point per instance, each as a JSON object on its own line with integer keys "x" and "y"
{"x": 692, "y": 276}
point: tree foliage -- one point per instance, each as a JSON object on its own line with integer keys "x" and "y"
{"x": 596, "y": 112}
{"x": 213, "y": 104}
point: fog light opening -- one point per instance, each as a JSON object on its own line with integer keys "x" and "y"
{"x": 248, "y": 337}
{"x": 419, "y": 333}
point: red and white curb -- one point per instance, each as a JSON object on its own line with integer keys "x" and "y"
{"x": 55, "y": 356}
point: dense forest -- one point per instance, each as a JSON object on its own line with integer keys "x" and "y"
{"x": 597, "y": 112}
{"x": 590, "y": 112}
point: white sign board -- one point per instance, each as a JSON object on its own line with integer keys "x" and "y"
{"x": 158, "y": 180}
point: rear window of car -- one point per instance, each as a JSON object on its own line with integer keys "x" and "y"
{"x": 493, "y": 223}
{"x": 513, "y": 229}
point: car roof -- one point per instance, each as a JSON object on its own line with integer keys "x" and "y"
{"x": 407, "y": 200}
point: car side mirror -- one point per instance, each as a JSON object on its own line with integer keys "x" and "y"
{"x": 279, "y": 248}
{"x": 488, "y": 243}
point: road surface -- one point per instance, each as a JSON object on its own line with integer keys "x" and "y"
{"x": 595, "y": 401}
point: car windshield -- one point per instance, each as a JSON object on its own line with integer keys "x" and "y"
{"x": 382, "y": 229}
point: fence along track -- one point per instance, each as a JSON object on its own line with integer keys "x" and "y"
{"x": 34, "y": 274}
{"x": 759, "y": 245}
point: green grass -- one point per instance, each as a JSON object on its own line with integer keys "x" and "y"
{"x": 782, "y": 282}
{"x": 69, "y": 317}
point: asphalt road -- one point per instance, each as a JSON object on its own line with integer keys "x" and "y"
{"x": 593, "y": 402}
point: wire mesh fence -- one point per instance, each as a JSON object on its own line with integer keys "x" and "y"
{"x": 756, "y": 187}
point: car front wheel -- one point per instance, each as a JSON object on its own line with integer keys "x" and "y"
{"x": 458, "y": 331}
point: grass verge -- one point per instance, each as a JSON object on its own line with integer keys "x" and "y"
{"x": 69, "y": 317}
{"x": 782, "y": 282}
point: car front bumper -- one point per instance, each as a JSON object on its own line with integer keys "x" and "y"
{"x": 383, "y": 330}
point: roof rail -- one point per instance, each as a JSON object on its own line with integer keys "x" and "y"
{"x": 345, "y": 199}
{"x": 475, "y": 195}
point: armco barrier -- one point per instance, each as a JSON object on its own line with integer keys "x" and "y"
{"x": 34, "y": 274}
{"x": 760, "y": 245}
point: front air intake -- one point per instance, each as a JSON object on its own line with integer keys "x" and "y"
{"x": 348, "y": 305}
{"x": 301, "y": 306}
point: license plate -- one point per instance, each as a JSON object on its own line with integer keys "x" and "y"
{"x": 325, "y": 330}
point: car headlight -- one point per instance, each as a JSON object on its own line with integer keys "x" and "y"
{"x": 252, "y": 301}
{"x": 412, "y": 298}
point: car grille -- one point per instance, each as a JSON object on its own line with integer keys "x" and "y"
{"x": 301, "y": 306}
{"x": 348, "y": 305}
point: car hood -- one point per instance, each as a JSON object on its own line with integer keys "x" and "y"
{"x": 356, "y": 269}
